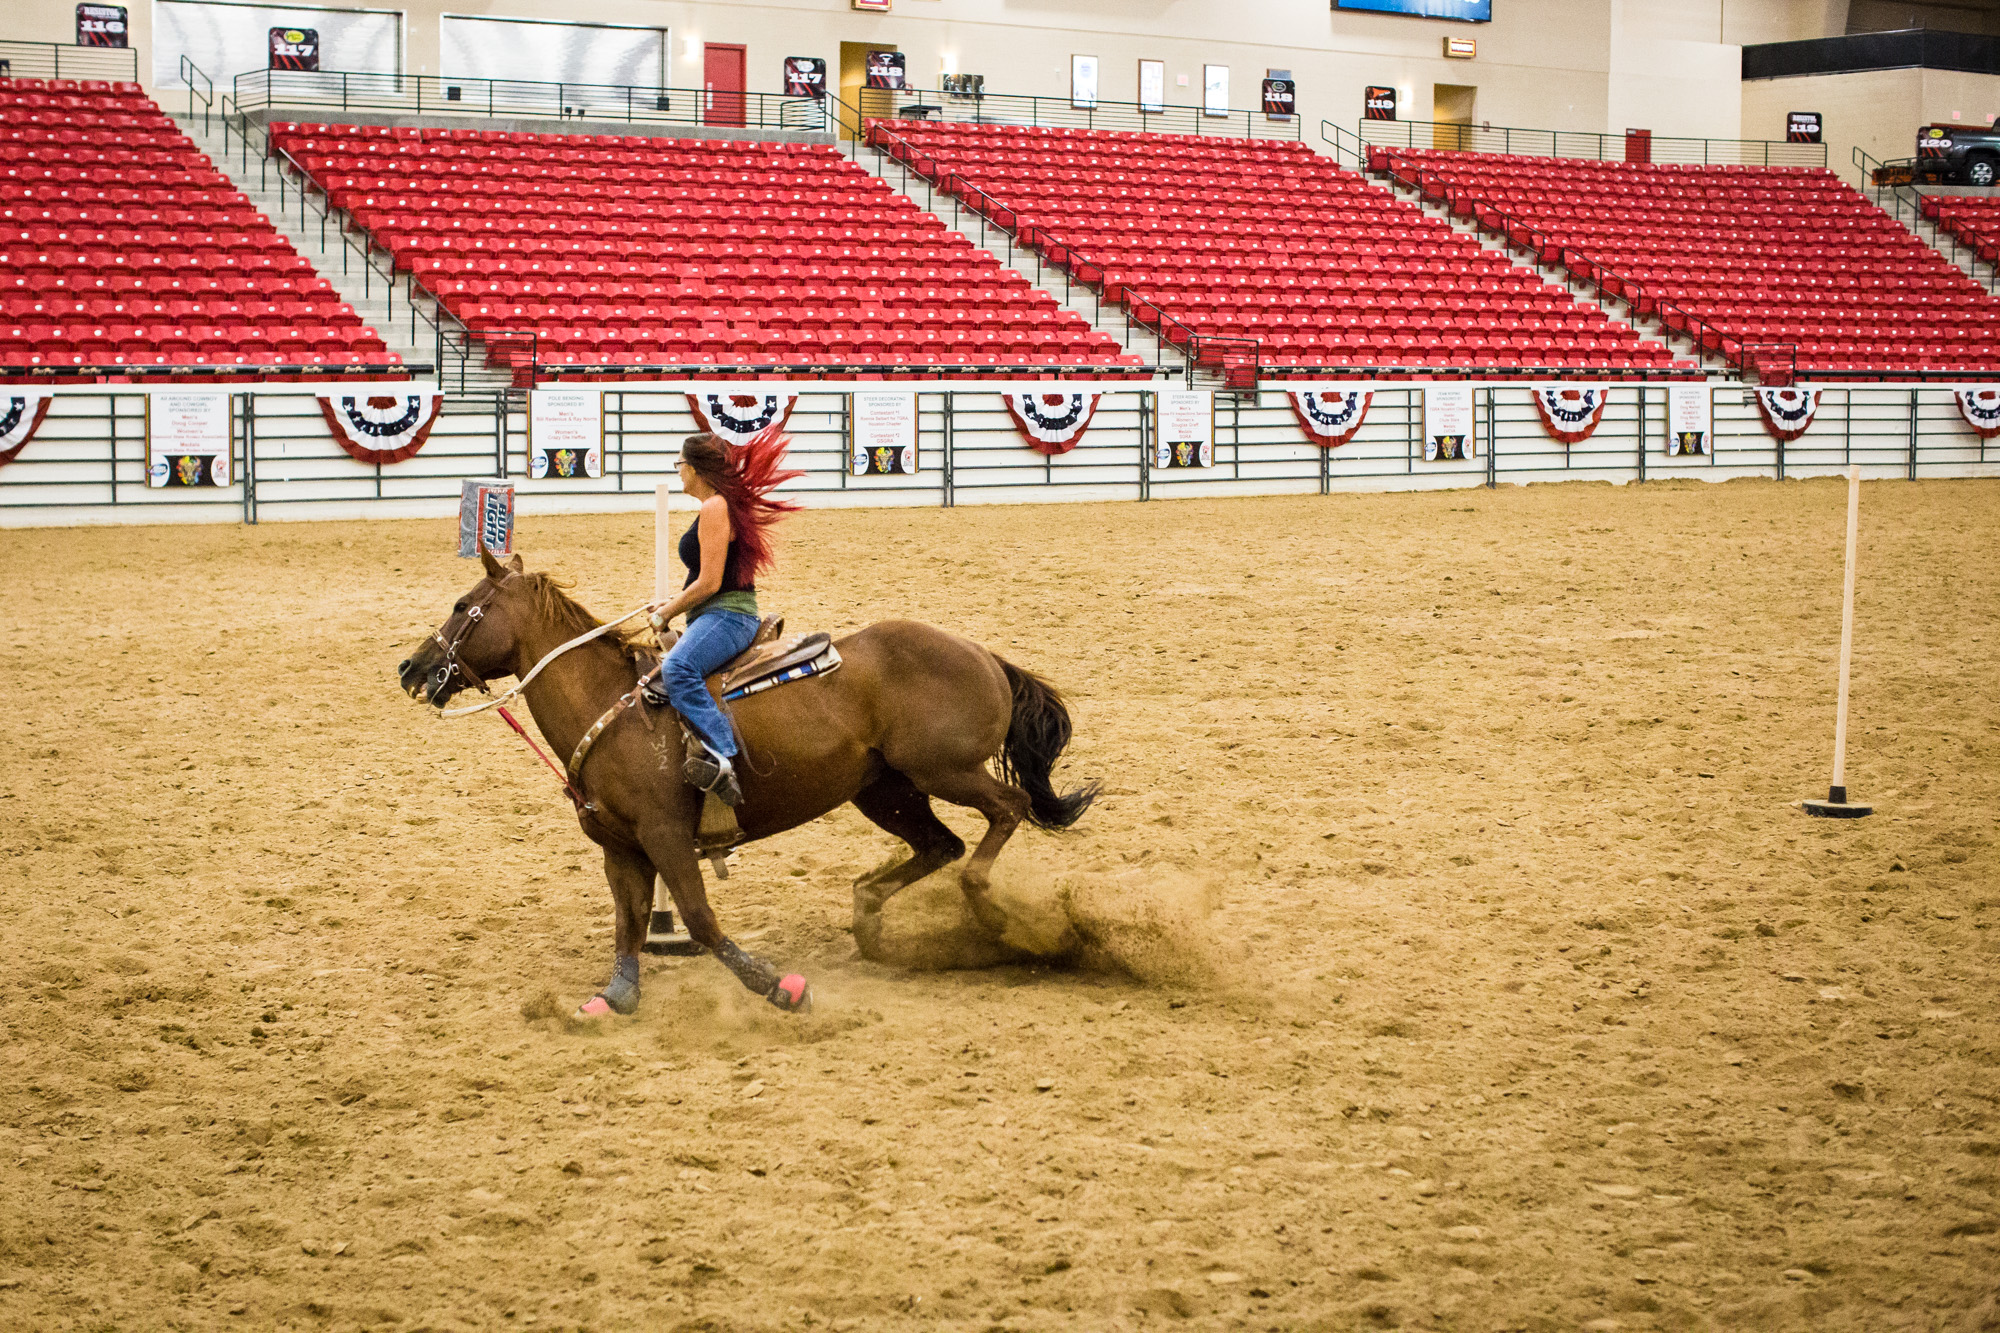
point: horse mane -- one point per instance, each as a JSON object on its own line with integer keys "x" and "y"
{"x": 553, "y": 603}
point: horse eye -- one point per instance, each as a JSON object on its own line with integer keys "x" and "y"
{"x": 460, "y": 606}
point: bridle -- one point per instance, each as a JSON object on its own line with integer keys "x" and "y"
{"x": 451, "y": 665}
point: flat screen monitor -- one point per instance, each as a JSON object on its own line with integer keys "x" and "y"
{"x": 1465, "y": 11}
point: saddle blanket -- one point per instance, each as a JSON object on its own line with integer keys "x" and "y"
{"x": 827, "y": 659}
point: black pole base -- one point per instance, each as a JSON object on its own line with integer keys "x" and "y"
{"x": 1835, "y": 806}
{"x": 662, "y": 938}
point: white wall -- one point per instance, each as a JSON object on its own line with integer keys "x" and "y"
{"x": 1877, "y": 110}
{"x": 1541, "y": 64}
{"x": 1669, "y": 74}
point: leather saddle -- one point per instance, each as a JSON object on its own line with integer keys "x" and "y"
{"x": 773, "y": 654}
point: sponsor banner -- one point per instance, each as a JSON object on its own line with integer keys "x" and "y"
{"x": 20, "y": 417}
{"x": 485, "y": 516}
{"x": 1281, "y": 98}
{"x": 805, "y": 76}
{"x": 738, "y": 417}
{"x": 1051, "y": 419}
{"x": 102, "y": 25}
{"x": 1448, "y": 422}
{"x": 1083, "y": 82}
{"x": 295, "y": 48}
{"x": 1184, "y": 428}
{"x": 1378, "y": 103}
{"x": 881, "y": 433}
{"x": 1570, "y": 412}
{"x": 1690, "y": 421}
{"x": 1331, "y": 413}
{"x": 1803, "y": 127}
{"x": 885, "y": 69}
{"x": 1979, "y": 406}
{"x": 187, "y": 438}
{"x": 565, "y": 433}
{"x": 1787, "y": 412}
{"x": 381, "y": 425}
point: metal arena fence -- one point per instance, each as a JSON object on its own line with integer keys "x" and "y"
{"x": 88, "y": 462}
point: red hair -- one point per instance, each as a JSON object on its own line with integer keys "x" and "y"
{"x": 744, "y": 476}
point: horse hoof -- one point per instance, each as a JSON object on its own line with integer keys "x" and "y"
{"x": 791, "y": 994}
{"x": 595, "y": 1007}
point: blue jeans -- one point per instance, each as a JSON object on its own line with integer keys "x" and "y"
{"x": 712, "y": 638}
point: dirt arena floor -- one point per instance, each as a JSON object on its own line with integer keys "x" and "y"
{"x": 1446, "y": 951}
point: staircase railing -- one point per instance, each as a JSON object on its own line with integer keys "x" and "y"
{"x": 1345, "y": 144}
{"x": 199, "y": 88}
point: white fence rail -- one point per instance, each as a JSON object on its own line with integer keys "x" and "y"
{"x": 88, "y": 462}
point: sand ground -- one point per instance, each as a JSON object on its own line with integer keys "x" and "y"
{"x": 1446, "y": 952}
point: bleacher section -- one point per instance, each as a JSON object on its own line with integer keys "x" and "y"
{"x": 122, "y": 247}
{"x": 1249, "y": 239}
{"x": 628, "y": 251}
{"x": 1973, "y": 219}
{"x": 1784, "y": 261}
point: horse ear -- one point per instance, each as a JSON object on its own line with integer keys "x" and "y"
{"x": 494, "y": 569}
{"x": 515, "y": 564}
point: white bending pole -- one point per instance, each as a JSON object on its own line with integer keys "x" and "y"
{"x": 663, "y": 541}
{"x": 1846, "y": 627}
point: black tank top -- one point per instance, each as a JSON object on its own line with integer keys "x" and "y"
{"x": 732, "y": 565}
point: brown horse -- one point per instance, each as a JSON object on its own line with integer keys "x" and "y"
{"x": 912, "y": 713}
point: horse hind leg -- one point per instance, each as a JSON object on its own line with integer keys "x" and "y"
{"x": 1004, "y": 807}
{"x": 893, "y": 803}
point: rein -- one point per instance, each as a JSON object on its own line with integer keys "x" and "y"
{"x": 523, "y": 682}
{"x": 575, "y": 796}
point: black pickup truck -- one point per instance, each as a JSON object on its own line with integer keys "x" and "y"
{"x": 1958, "y": 154}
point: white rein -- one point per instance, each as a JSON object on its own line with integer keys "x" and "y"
{"x": 551, "y": 656}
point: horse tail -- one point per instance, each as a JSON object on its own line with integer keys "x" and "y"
{"x": 1037, "y": 734}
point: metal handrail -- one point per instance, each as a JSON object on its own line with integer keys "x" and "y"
{"x": 45, "y": 60}
{"x": 1338, "y": 141}
{"x": 206, "y": 92}
{"x": 1586, "y": 144}
{"x": 545, "y": 372}
{"x": 354, "y": 90}
{"x": 102, "y": 374}
{"x": 1030, "y": 112}
{"x": 875, "y": 132}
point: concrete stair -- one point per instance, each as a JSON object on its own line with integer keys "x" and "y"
{"x": 385, "y": 303}
{"x": 1650, "y": 331}
{"x": 1109, "y": 320}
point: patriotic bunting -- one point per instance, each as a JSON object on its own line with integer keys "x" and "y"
{"x": 1981, "y": 410}
{"x": 20, "y": 417}
{"x": 1570, "y": 412}
{"x": 738, "y": 417}
{"x": 381, "y": 427}
{"x": 1787, "y": 412}
{"x": 1331, "y": 414}
{"x": 1051, "y": 423}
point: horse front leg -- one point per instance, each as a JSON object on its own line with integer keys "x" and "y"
{"x": 673, "y": 853}
{"x": 630, "y": 875}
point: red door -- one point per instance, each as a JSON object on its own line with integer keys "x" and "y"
{"x": 722, "y": 84}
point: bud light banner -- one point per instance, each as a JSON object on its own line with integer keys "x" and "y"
{"x": 1787, "y": 413}
{"x": 1570, "y": 412}
{"x": 295, "y": 48}
{"x": 1980, "y": 407}
{"x": 805, "y": 76}
{"x": 382, "y": 427}
{"x": 1281, "y": 98}
{"x": 486, "y": 516}
{"x": 101, "y": 25}
{"x": 1690, "y": 421}
{"x": 1051, "y": 421}
{"x": 20, "y": 417}
{"x": 1331, "y": 413}
{"x": 1448, "y": 422}
{"x": 1378, "y": 104}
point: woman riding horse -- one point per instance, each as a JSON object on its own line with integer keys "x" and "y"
{"x": 724, "y": 549}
